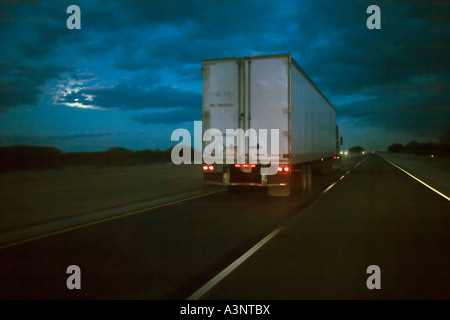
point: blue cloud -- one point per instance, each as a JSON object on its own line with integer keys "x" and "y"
{"x": 131, "y": 97}
{"x": 172, "y": 116}
{"x": 137, "y": 55}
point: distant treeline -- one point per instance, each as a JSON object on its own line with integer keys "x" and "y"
{"x": 442, "y": 148}
{"x": 30, "y": 157}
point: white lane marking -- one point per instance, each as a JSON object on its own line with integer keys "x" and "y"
{"x": 225, "y": 272}
{"x": 329, "y": 187}
{"x": 342, "y": 177}
{"x": 426, "y": 185}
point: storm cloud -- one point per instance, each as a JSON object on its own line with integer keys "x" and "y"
{"x": 172, "y": 116}
{"x": 143, "y": 58}
{"x": 125, "y": 96}
{"x": 22, "y": 84}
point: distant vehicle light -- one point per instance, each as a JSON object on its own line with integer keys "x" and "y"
{"x": 237, "y": 165}
{"x": 345, "y": 153}
{"x": 432, "y": 155}
{"x": 253, "y": 165}
{"x": 341, "y": 152}
{"x": 280, "y": 169}
{"x": 205, "y": 168}
{"x": 211, "y": 168}
{"x": 286, "y": 169}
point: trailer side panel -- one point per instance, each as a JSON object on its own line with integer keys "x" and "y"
{"x": 313, "y": 121}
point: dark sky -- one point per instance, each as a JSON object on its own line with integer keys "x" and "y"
{"x": 132, "y": 74}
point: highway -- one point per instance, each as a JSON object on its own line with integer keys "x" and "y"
{"x": 249, "y": 246}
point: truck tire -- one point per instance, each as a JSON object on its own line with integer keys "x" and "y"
{"x": 303, "y": 180}
{"x": 296, "y": 187}
{"x": 308, "y": 178}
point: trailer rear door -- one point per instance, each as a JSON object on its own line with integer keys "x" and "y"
{"x": 268, "y": 106}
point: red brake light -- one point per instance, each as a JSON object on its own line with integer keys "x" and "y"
{"x": 245, "y": 165}
{"x": 286, "y": 169}
{"x": 205, "y": 168}
{"x": 211, "y": 168}
{"x": 280, "y": 169}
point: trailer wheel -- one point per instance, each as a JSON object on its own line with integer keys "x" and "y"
{"x": 296, "y": 183}
{"x": 308, "y": 178}
{"x": 304, "y": 180}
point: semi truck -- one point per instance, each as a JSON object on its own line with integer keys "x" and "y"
{"x": 270, "y": 92}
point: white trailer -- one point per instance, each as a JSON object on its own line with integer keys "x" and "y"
{"x": 269, "y": 92}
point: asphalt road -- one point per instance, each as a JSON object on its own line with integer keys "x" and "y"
{"x": 374, "y": 215}
{"x": 35, "y": 197}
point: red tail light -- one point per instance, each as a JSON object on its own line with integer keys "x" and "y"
{"x": 205, "y": 168}
{"x": 284, "y": 168}
{"x": 211, "y": 168}
{"x": 245, "y": 165}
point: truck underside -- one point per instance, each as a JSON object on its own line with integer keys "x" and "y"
{"x": 291, "y": 179}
